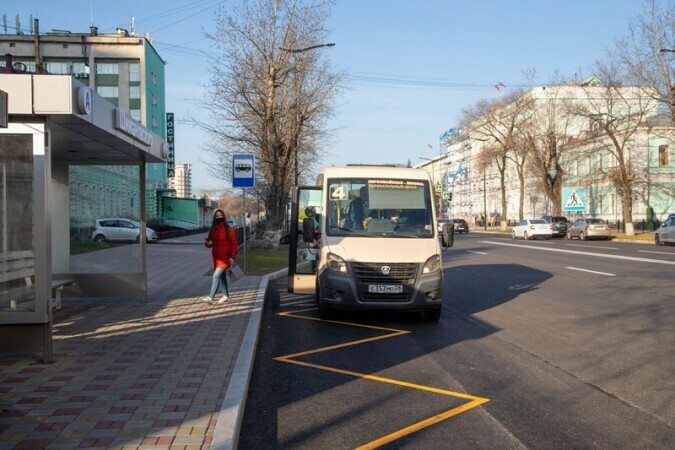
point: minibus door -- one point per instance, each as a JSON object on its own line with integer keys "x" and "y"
{"x": 305, "y": 239}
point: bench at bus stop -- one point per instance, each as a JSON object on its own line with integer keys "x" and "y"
{"x": 19, "y": 267}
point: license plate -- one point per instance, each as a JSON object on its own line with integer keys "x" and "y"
{"x": 385, "y": 288}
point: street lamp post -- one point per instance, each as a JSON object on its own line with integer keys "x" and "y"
{"x": 297, "y": 100}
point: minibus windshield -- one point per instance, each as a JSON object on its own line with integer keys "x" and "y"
{"x": 379, "y": 208}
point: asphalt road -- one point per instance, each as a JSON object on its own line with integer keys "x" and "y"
{"x": 542, "y": 344}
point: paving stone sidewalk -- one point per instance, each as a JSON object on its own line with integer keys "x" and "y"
{"x": 133, "y": 374}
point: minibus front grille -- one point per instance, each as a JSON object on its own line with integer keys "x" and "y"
{"x": 373, "y": 273}
{"x": 367, "y": 274}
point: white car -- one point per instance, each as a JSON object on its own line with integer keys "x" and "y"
{"x": 532, "y": 229}
{"x": 665, "y": 234}
{"x": 439, "y": 224}
{"x": 120, "y": 229}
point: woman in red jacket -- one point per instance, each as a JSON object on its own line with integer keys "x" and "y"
{"x": 222, "y": 240}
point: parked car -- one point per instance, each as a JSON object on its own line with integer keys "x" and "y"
{"x": 532, "y": 229}
{"x": 560, "y": 224}
{"x": 665, "y": 234}
{"x": 587, "y": 228}
{"x": 120, "y": 229}
{"x": 439, "y": 224}
{"x": 460, "y": 226}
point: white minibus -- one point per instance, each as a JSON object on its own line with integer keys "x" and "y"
{"x": 367, "y": 239}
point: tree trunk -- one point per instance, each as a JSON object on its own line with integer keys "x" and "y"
{"x": 628, "y": 211}
{"x": 503, "y": 221}
{"x": 277, "y": 200}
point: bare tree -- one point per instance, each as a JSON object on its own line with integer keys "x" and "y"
{"x": 497, "y": 123}
{"x": 647, "y": 52}
{"x": 615, "y": 114}
{"x": 546, "y": 135}
{"x": 270, "y": 93}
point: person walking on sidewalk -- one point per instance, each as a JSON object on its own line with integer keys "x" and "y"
{"x": 222, "y": 240}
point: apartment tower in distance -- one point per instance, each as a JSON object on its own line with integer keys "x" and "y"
{"x": 182, "y": 181}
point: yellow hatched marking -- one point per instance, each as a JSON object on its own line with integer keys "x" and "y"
{"x": 392, "y": 332}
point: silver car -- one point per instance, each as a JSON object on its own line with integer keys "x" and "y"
{"x": 587, "y": 228}
{"x": 665, "y": 234}
{"x": 120, "y": 229}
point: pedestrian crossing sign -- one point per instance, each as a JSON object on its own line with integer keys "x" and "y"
{"x": 574, "y": 199}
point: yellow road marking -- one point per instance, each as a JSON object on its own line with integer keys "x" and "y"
{"x": 392, "y": 332}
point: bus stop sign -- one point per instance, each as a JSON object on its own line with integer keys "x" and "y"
{"x": 243, "y": 171}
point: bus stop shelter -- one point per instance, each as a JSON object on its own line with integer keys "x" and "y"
{"x": 49, "y": 124}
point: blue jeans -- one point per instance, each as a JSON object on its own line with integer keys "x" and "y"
{"x": 219, "y": 279}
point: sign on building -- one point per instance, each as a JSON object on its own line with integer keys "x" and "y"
{"x": 574, "y": 199}
{"x": 170, "y": 161}
{"x": 243, "y": 171}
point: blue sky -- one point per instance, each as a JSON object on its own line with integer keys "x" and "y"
{"x": 462, "y": 48}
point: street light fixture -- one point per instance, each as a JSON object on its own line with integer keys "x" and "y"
{"x": 312, "y": 47}
{"x": 295, "y": 51}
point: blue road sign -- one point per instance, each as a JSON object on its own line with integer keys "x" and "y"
{"x": 574, "y": 199}
{"x": 243, "y": 171}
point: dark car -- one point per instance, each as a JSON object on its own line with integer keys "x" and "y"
{"x": 560, "y": 224}
{"x": 460, "y": 226}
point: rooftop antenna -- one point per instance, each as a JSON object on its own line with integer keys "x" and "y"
{"x": 91, "y": 9}
{"x": 17, "y": 22}
{"x": 32, "y": 28}
{"x": 133, "y": 22}
{"x": 4, "y": 22}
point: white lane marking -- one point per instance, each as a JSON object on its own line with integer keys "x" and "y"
{"x": 592, "y": 246}
{"x": 478, "y": 253}
{"x": 656, "y": 253}
{"x": 575, "y": 252}
{"x": 591, "y": 271}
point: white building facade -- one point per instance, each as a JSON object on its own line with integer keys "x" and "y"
{"x": 471, "y": 192}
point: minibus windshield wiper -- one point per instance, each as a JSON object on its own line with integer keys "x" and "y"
{"x": 397, "y": 234}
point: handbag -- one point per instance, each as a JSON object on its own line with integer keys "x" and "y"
{"x": 235, "y": 272}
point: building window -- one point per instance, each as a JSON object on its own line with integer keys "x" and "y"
{"x": 134, "y": 92}
{"x": 135, "y": 114}
{"x": 134, "y": 73}
{"x": 154, "y": 78}
{"x": 57, "y": 68}
{"x": 664, "y": 151}
{"x": 107, "y": 69}
{"x": 108, "y": 91}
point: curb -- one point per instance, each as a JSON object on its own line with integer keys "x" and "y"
{"x": 228, "y": 424}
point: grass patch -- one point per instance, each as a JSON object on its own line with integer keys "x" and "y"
{"x": 77, "y": 247}
{"x": 264, "y": 261}
{"x": 639, "y": 236}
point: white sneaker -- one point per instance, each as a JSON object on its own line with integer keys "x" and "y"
{"x": 223, "y": 299}
{"x": 207, "y": 300}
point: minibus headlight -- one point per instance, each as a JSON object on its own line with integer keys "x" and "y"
{"x": 334, "y": 262}
{"x": 432, "y": 265}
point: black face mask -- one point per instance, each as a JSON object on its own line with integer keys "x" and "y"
{"x": 220, "y": 219}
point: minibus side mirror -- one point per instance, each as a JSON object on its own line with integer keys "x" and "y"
{"x": 448, "y": 235}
